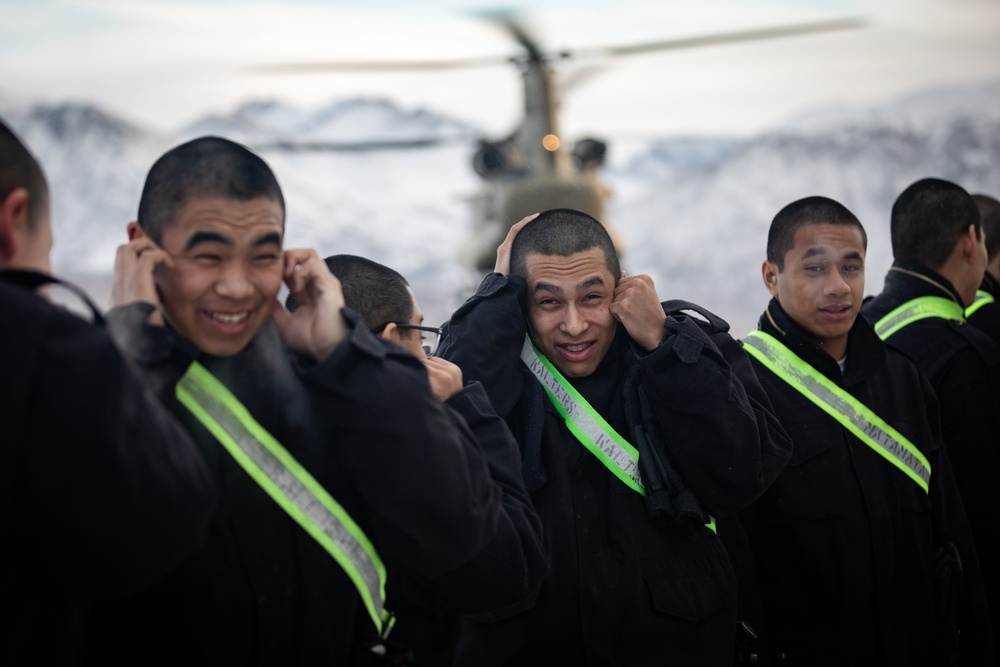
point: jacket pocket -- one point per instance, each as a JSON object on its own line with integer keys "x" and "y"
{"x": 807, "y": 489}
{"x": 690, "y": 586}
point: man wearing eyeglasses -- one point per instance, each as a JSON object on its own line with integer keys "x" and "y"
{"x": 428, "y": 610}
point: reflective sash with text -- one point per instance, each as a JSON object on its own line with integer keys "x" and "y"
{"x": 918, "y": 309}
{"x": 288, "y": 483}
{"x": 851, "y": 413}
{"x": 583, "y": 421}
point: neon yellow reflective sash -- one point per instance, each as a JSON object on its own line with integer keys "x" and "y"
{"x": 982, "y": 298}
{"x": 288, "y": 483}
{"x": 583, "y": 421}
{"x": 852, "y": 414}
{"x": 918, "y": 309}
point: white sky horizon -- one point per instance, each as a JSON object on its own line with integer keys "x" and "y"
{"x": 164, "y": 64}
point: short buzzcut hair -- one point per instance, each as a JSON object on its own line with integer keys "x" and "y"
{"x": 814, "y": 210}
{"x": 929, "y": 218}
{"x": 375, "y": 291}
{"x": 207, "y": 167}
{"x": 989, "y": 215}
{"x": 20, "y": 169}
{"x": 561, "y": 232}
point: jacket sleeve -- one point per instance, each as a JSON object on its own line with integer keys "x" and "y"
{"x": 157, "y": 355}
{"x": 431, "y": 503}
{"x": 113, "y": 493}
{"x": 484, "y": 338}
{"x": 723, "y": 440}
{"x": 510, "y": 569}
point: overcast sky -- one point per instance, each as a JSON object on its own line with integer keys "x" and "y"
{"x": 164, "y": 63}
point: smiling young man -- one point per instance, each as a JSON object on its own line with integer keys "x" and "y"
{"x": 660, "y": 435}
{"x": 335, "y": 461}
{"x": 939, "y": 259}
{"x": 854, "y": 544}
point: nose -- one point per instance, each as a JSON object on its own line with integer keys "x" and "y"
{"x": 234, "y": 283}
{"x": 574, "y": 323}
{"x": 837, "y": 285}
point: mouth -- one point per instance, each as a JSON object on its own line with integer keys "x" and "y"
{"x": 228, "y": 319}
{"x": 575, "y": 351}
{"x": 837, "y": 311}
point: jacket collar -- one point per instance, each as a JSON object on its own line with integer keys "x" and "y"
{"x": 991, "y": 285}
{"x": 865, "y": 352}
{"x": 907, "y": 280}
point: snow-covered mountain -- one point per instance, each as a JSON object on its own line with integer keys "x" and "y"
{"x": 694, "y": 211}
{"x": 701, "y": 231}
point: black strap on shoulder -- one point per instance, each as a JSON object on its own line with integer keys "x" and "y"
{"x": 32, "y": 280}
{"x": 708, "y": 320}
{"x": 667, "y": 499}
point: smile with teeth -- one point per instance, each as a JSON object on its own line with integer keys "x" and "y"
{"x": 580, "y": 347}
{"x": 229, "y": 318}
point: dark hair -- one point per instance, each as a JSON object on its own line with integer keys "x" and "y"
{"x": 562, "y": 232}
{"x": 20, "y": 169}
{"x": 375, "y": 291}
{"x": 989, "y": 215}
{"x": 928, "y": 219}
{"x": 207, "y": 167}
{"x": 808, "y": 211}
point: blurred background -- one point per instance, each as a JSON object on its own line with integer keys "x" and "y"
{"x": 701, "y": 145}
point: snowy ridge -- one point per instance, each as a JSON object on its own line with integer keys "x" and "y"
{"x": 694, "y": 211}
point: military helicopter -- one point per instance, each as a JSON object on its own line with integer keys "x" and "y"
{"x": 533, "y": 169}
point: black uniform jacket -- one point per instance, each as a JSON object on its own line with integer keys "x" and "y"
{"x": 621, "y": 589}
{"x": 429, "y": 611}
{"x": 365, "y": 424}
{"x": 844, "y": 542}
{"x": 963, "y": 365}
{"x": 987, "y": 318}
{"x": 101, "y": 492}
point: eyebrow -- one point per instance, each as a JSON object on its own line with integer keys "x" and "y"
{"x": 812, "y": 252}
{"x": 589, "y": 282}
{"x": 270, "y": 238}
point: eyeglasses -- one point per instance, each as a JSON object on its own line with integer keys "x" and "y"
{"x": 430, "y": 337}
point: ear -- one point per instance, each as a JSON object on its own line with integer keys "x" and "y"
{"x": 390, "y": 332}
{"x": 134, "y": 231}
{"x": 969, "y": 244}
{"x": 769, "y": 273}
{"x": 13, "y": 222}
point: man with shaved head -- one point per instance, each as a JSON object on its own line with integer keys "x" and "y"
{"x": 861, "y": 552}
{"x": 638, "y": 421}
{"x": 940, "y": 256}
{"x": 338, "y": 466}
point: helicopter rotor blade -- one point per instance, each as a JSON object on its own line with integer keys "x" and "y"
{"x": 514, "y": 24}
{"x": 518, "y": 30}
{"x": 383, "y": 65}
{"x": 359, "y": 146}
{"x": 722, "y": 38}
